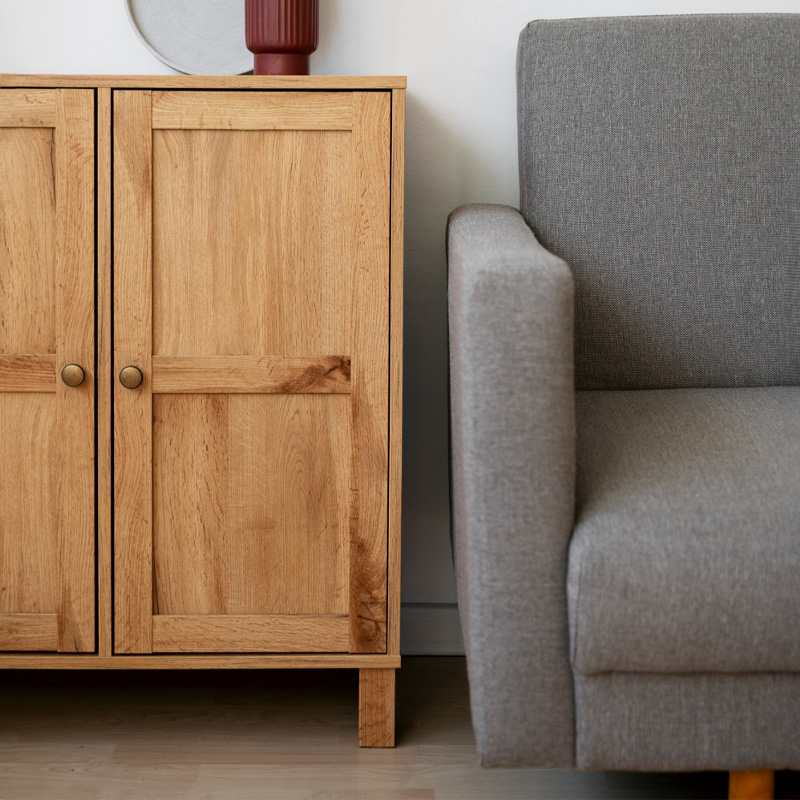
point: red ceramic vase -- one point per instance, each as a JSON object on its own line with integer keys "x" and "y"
{"x": 282, "y": 34}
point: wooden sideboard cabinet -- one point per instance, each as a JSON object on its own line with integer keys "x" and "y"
{"x": 201, "y": 375}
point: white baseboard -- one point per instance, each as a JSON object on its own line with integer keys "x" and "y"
{"x": 430, "y": 629}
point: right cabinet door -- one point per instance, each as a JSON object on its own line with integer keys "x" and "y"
{"x": 251, "y": 291}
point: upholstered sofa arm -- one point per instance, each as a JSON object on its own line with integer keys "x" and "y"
{"x": 513, "y": 478}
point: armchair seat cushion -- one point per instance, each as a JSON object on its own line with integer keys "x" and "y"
{"x": 686, "y": 551}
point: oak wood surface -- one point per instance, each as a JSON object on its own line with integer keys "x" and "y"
{"x": 207, "y": 82}
{"x": 396, "y": 370}
{"x": 250, "y": 633}
{"x": 243, "y": 111}
{"x": 105, "y": 382}
{"x": 323, "y": 306}
{"x": 133, "y": 223}
{"x": 376, "y": 702}
{"x": 251, "y": 501}
{"x": 250, "y": 374}
{"x": 28, "y": 241}
{"x": 28, "y": 632}
{"x": 28, "y": 480}
{"x": 263, "y": 219}
{"x": 370, "y": 321}
{"x": 268, "y": 248}
{"x": 752, "y": 785}
{"x": 160, "y": 661}
{"x": 75, "y": 303}
{"x": 47, "y": 318}
{"x": 28, "y": 373}
{"x": 31, "y": 108}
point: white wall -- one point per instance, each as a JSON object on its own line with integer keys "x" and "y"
{"x": 461, "y": 147}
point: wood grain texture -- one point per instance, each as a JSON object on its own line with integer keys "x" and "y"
{"x": 74, "y": 179}
{"x": 133, "y": 224}
{"x": 32, "y": 108}
{"x": 28, "y": 632}
{"x": 201, "y": 661}
{"x": 27, "y": 241}
{"x": 396, "y": 369}
{"x": 251, "y": 501}
{"x": 29, "y": 442}
{"x": 263, "y": 82}
{"x": 244, "y": 111}
{"x": 250, "y": 374}
{"x": 376, "y": 701}
{"x": 28, "y": 373}
{"x": 268, "y": 501}
{"x": 752, "y": 785}
{"x": 368, "y": 524}
{"x": 105, "y": 382}
{"x": 250, "y": 633}
{"x": 263, "y": 218}
{"x": 46, "y": 322}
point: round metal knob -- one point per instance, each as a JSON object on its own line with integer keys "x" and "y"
{"x": 131, "y": 377}
{"x": 73, "y": 375}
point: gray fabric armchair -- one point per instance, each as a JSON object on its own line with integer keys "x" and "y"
{"x": 625, "y": 403}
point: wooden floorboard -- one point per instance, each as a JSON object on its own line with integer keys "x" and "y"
{"x": 275, "y": 734}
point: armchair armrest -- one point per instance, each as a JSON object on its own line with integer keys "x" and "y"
{"x": 513, "y": 480}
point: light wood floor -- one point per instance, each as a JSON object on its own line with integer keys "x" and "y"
{"x": 264, "y": 735}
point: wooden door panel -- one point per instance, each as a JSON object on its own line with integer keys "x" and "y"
{"x": 253, "y": 233}
{"x": 252, "y": 291}
{"x": 47, "y": 316}
{"x": 27, "y": 233}
{"x": 28, "y": 480}
{"x": 252, "y": 504}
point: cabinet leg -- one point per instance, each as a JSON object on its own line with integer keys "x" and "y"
{"x": 752, "y": 785}
{"x": 376, "y": 707}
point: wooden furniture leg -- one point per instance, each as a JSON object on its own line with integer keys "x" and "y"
{"x": 757, "y": 784}
{"x": 376, "y": 707}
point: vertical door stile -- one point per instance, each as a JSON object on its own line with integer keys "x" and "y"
{"x": 370, "y": 321}
{"x": 105, "y": 382}
{"x": 74, "y": 185}
{"x": 133, "y": 225}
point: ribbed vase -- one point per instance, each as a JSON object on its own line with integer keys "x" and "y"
{"x": 282, "y": 34}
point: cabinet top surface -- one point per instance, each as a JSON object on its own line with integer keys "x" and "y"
{"x": 318, "y": 82}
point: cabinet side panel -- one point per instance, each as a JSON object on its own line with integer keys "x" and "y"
{"x": 75, "y": 303}
{"x": 133, "y": 215}
{"x": 369, "y": 520}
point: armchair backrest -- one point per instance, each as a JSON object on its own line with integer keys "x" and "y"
{"x": 660, "y": 158}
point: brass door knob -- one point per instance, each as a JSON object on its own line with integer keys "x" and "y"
{"x": 73, "y": 375}
{"x": 131, "y": 377}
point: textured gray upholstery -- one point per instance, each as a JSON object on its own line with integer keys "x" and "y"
{"x": 661, "y": 190}
{"x": 659, "y": 159}
{"x": 680, "y": 723}
{"x": 513, "y": 481}
{"x": 686, "y": 551}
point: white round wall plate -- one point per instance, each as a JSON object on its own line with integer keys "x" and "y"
{"x": 198, "y": 37}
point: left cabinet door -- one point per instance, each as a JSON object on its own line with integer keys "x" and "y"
{"x": 47, "y": 423}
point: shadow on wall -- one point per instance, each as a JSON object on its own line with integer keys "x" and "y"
{"x": 440, "y": 166}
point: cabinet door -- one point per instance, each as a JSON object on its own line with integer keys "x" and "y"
{"x": 47, "y": 540}
{"x": 251, "y": 289}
